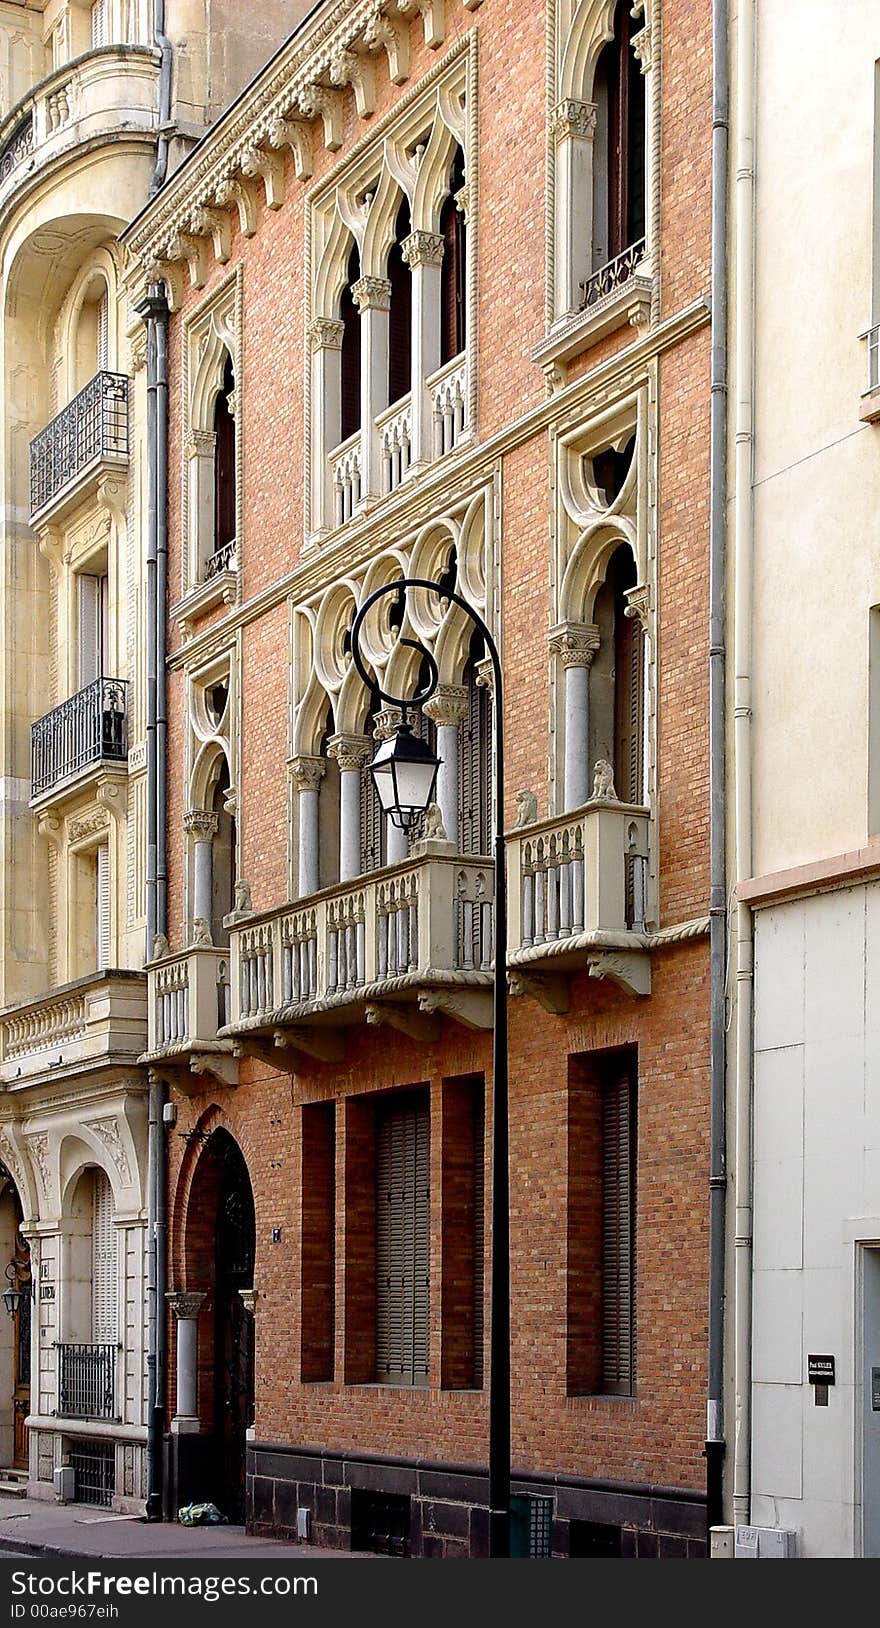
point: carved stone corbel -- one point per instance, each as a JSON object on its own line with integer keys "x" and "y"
{"x": 234, "y": 194}
{"x": 433, "y": 15}
{"x": 193, "y": 252}
{"x": 420, "y": 1026}
{"x": 471, "y": 1007}
{"x": 549, "y": 989}
{"x": 111, "y": 794}
{"x": 630, "y": 970}
{"x": 268, "y": 167}
{"x": 213, "y": 224}
{"x": 386, "y": 33}
{"x": 158, "y": 269}
{"x": 317, "y": 102}
{"x": 297, "y": 135}
{"x": 348, "y": 69}
{"x": 326, "y": 1045}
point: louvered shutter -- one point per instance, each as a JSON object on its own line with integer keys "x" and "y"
{"x": 102, "y": 865}
{"x": 224, "y": 464}
{"x": 372, "y": 823}
{"x": 350, "y": 359}
{"x": 103, "y": 1261}
{"x": 629, "y": 707}
{"x": 452, "y": 282}
{"x": 426, "y": 730}
{"x": 403, "y": 1246}
{"x": 618, "y": 1233}
{"x": 89, "y": 629}
{"x": 479, "y": 1233}
{"x": 99, "y": 24}
{"x": 475, "y": 770}
{"x": 103, "y": 332}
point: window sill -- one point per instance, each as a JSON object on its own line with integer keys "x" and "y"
{"x": 616, "y": 1399}
{"x": 869, "y": 407}
{"x": 221, "y": 589}
{"x": 626, "y": 306}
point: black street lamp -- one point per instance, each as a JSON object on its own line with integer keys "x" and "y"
{"x": 20, "y": 1288}
{"x": 405, "y": 773}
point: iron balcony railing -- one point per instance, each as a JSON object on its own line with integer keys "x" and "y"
{"x": 613, "y": 275}
{"x": 87, "y": 1381}
{"x": 91, "y": 427}
{"x": 872, "y": 340}
{"x": 19, "y": 145}
{"x": 90, "y": 727}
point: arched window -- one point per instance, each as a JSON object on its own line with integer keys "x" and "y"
{"x": 400, "y": 320}
{"x": 350, "y": 361}
{"x": 453, "y": 270}
{"x": 328, "y": 811}
{"x": 223, "y": 859}
{"x": 617, "y": 681}
{"x": 224, "y": 465}
{"x": 619, "y": 161}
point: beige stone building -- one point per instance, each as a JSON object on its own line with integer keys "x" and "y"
{"x": 98, "y": 103}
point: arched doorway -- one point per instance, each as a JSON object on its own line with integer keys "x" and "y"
{"x": 15, "y": 1330}
{"x": 221, "y": 1240}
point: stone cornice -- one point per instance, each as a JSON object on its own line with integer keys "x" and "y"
{"x": 358, "y": 541}
{"x": 301, "y": 84}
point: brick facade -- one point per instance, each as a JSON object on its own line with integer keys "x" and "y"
{"x": 323, "y": 1432}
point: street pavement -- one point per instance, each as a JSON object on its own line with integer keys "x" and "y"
{"x": 30, "y": 1527}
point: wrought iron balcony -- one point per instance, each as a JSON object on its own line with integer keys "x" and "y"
{"x": 410, "y": 939}
{"x": 91, "y": 727}
{"x": 87, "y": 1381}
{"x": 578, "y": 888}
{"x": 613, "y": 275}
{"x": 189, "y": 1003}
{"x": 90, "y": 431}
{"x": 19, "y": 144}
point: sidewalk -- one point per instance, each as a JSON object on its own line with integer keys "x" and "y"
{"x": 30, "y": 1527}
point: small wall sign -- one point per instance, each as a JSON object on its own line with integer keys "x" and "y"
{"x": 820, "y": 1370}
{"x": 875, "y": 1390}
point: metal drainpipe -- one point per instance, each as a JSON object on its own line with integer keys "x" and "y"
{"x": 717, "y": 766}
{"x": 743, "y": 544}
{"x": 160, "y": 38}
{"x": 154, "y": 311}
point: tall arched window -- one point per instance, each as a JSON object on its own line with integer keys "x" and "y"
{"x": 224, "y": 464}
{"x": 400, "y": 320}
{"x": 453, "y": 270}
{"x": 617, "y": 681}
{"x": 619, "y": 163}
{"x": 350, "y": 361}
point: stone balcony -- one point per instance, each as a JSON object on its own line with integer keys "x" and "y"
{"x": 578, "y": 898}
{"x": 400, "y": 946}
{"x": 188, "y": 1006}
{"x": 96, "y": 1022}
{"x": 104, "y": 95}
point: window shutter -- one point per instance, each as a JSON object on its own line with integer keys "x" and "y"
{"x": 99, "y": 24}
{"x": 400, "y": 316}
{"x": 403, "y": 1245}
{"x": 89, "y": 630}
{"x": 629, "y": 706}
{"x": 350, "y": 359}
{"x": 103, "y": 1261}
{"x": 103, "y": 332}
{"x": 475, "y": 769}
{"x": 372, "y": 823}
{"x": 618, "y": 1232}
{"x": 102, "y": 865}
{"x": 479, "y": 1232}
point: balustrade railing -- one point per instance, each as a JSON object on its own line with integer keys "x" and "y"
{"x": 613, "y": 275}
{"x": 89, "y": 727}
{"x": 586, "y": 872}
{"x": 432, "y": 914}
{"x": 395, "y": 443}
{"x": 87, "y": 1381}
{"x": 56, "y": 1021}
{"x": 93, "y": 426}
{"x": 345, "y": 465}
{"x": 449, "y": 402}
{"x": 223, "y": 559}
{"x": 188, "y": 998}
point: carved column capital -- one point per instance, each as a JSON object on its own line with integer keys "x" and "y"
{"x": 448, "y": 705}
{"x": 325, "y": 333}
{"x": 643, "y": 48}
{"x": 572, "y": 118}
{"x": 575, "y": 642}
{"x": 200, "y": 444}
{"x": 185, "y": 1302}
{"x": 306, "y": 772}
{"x": 372, "y": 294}
{"x": 422, "y": 249}
{"x": 638, "y": 603}
{"x": 249, "y": 1298}
{"x": 385, "y": 723}
{"x": 198, "y": 823}
{"x": 350, "y": 751}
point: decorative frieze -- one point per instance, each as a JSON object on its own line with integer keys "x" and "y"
{"x": 107, "y": 1131}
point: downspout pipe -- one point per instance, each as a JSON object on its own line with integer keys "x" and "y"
{"x": 161, "y": 40}
{"x": 154, "y": 311}
{"x": 715, "y": 1444}
{"x": 743, "y": 547}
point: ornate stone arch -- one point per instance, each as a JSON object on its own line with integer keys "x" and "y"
{"x": 311, "y": 714}
{"x": 432, "y": 184}
{"x": 332, "y": 269}
{"x": 216, "y": 346}
{"x": 78, "y": 1152}
{"x": 209, "y": 762}
{"x": 588, "y": 563}
{"x": 380, "y": 223}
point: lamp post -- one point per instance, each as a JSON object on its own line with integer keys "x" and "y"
{"x": 405, "y": 773}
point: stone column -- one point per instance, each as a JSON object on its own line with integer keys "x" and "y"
{"x": 448, "y": 707}
{"x": 576, "y": 644}
{"x": 200, "y": 452}
{"x": 186, "y": 1308}
{"x": 573, "y": 126}
{"x": 372, "y": 296}
{"x": 423, "y": 253}
{"x": 396, "y": 846}
{"x": 325, "y": 339}
{"x": 202, "y": 827}
{"x": 306, "y": 774}
{"x": 351, "y": 753}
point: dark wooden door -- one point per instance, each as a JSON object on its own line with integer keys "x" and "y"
{"x": 233, "y": 1334}
{"x": 21, "y": 1357}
